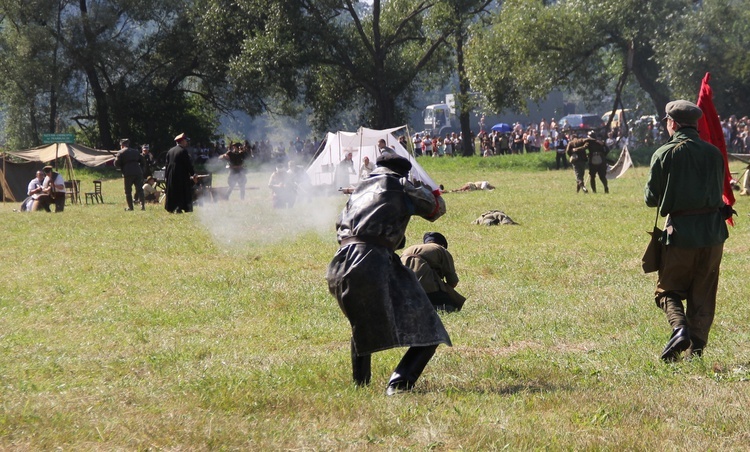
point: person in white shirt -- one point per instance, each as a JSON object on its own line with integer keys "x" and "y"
{"x": 150, "y": 192}
{"x": 34, "y": 191}
{"x": 53, "y": 191}
{"x": 366, "y": 168}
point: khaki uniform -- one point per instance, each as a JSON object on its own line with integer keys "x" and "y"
{"x": 436, "y": 272}
{"x": 577, "y": 153}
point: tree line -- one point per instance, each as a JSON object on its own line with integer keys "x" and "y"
{"x": 150, "y": 69}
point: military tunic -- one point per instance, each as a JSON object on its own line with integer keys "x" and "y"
{"x": 577, "y": 153}
{"x": 686, "y": 184}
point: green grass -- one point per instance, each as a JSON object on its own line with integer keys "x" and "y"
{"x": 215, "y": 330}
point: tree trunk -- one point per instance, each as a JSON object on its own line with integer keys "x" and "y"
{"x": 100, "y": 96}
{"x": 646, "y": 72}
{"x": 464, "y": 105}
{"x": 386, "y": 114}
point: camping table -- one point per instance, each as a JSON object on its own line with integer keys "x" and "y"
{"x": 161, "y": 182}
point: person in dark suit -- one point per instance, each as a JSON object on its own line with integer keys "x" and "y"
{"x": 180, "y": 177}
{"x": 131, "y": 163}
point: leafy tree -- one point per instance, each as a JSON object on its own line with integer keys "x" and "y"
{"x": 714, "y": 38}
{"x": 33, "y": 76}
{"x": 331, "y": 56}
{"x": 458, "y": 16}
{"x": 531, "y": 48}
{"x": 134, "y": 64}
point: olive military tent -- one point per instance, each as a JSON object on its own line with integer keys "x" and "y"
{"x": 14, "y": 177}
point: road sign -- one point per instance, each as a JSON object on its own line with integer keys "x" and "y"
{"x": 48, "y": 138}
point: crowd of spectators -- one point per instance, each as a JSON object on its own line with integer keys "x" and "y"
{"x": 737, "y": 134}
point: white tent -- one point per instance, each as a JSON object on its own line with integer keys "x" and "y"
{"x": 363, "y": 143}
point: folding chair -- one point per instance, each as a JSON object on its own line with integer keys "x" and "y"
{"x": 96, "y": 195}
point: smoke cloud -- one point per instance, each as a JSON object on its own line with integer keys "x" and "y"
{"x": 253, "y": 220}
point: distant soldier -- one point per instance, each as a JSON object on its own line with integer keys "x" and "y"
{"x": 282, "y": 189}
{"x": 561, "y": 143}
{"x": 236, "y": 163}
{"x": 131, "y": 163}
{"x": 597, "y": 161}
{"x": 576, "y": 151}
{"x": 149, "y": 161}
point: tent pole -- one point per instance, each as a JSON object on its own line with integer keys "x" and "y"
{"x": 409, "y": 142}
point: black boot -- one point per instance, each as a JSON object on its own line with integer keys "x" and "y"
{"x": 678, "y": 343}
{"x": 410, "y": 368}
{"x": 361, "y": 370}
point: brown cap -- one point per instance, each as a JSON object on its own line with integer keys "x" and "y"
{"x": 181, "y": 136}
{"x": 683, "y": 112}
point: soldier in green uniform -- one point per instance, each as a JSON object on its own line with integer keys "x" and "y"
{"x": 577, "y": 153}
{"x": 686, "y": 183}
{"x": 597, "y": 161}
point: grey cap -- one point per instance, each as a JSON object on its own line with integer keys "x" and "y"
{"x": 683, "y": 112}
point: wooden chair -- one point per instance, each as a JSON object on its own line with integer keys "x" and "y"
{"x": 72, "y": 190}
{"x": 96, "y": 195}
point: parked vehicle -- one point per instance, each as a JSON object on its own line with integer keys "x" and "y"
{"x": 581, "y": 122}
{"x": 621, "y": 116}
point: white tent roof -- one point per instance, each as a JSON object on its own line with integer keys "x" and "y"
{"x": 361, "y": 143}
{"x": 50, "y": 152}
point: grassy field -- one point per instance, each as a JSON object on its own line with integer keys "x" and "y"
{"x": 215, "y": 330}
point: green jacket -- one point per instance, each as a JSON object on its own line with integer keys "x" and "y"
{"x": 686, "y": 182}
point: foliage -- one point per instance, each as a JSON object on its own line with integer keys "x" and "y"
{"x": 718, "y": 37}
{"x": 582, "y": 45}
{"x": 108, "y": 68}
{"x": 332, "y": 56}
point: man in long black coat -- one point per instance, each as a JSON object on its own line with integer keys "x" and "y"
{"x": 180, "y": 177}
{"x": 383, "y": 301}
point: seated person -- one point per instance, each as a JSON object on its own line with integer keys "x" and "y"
{"x": 34, "y": 191}
{"x": 150, "y": 192}
{"x": 366, "y": 169}
{"x": 53, "y": 191}
{"x": 433, "y": 265}
{"x": 479, "y": 185}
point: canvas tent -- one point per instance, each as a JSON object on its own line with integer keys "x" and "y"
{"x": 322, "y": 171}
{"x": 14, "y": 177}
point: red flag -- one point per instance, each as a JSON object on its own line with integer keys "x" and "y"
{"x": 709, "y": 128}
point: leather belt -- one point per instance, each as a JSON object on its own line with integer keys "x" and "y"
{"x": 682, "y": 213}
{"x": 378, "y": 241}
